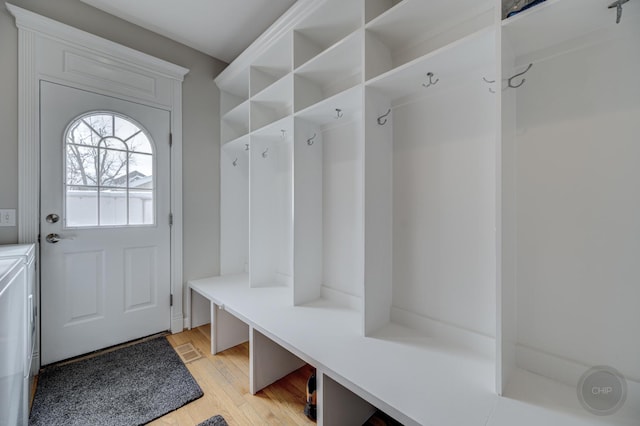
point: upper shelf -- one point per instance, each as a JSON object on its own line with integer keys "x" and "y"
{"x": 448, "y": 63}
{"x": 342, "y": 107}
{"x": 414, "y": 20}
{"x": 272, "y": 65}
{"x": 375, "y": 8}
{"x": 332, "y": 21}
{"x": 558, "y": 21}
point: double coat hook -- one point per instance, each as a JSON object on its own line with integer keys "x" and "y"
{"x": 430, "y": 75}
{"x": 380, "y": 119}
{"x": 311, "y": 140}
{"x": 515, "y": 86}
{"x": 490, "y": 82}
{"x": 618, "y": 5}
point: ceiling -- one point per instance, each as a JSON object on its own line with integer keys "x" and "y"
{"x": 219, "y": 28}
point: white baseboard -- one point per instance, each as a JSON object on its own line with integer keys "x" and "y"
{"x": 477, "y": 342}
{"x": 563, "y": 370}
{"x": 345, "y": 299}
{"x": 177, "y": 324}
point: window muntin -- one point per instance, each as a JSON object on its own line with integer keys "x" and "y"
{"x": 109, "y": 172}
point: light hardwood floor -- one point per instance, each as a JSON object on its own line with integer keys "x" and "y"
{"x": 224, "y": 379}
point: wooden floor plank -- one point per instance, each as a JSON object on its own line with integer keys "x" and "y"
{"x": 224, "y": 379}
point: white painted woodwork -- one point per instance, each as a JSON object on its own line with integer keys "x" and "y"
{"x": 308, "y": 233}
{"x": 574, "y": 230}
{"x": 471, "y": 256}
{"x": 101, "y": 285}
{"x": 268, "y": 361}
{"x": 229, "y": 331}
{"x": 341, "y": 407}
{"x": 378, "y": 212}
{"x": 234, "y": 208}
{"x": 328, "y": 24}
{"x": 413, "y": 29}
{"x": 57, "y": 52}
{"x": 272, "y": 65}
{"x": 271, "y": 187}
{"x": 329, "y": 336}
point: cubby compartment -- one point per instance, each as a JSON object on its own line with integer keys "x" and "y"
{"x": 234, "y": 207}
{"x": 335, "y": 70}
{"x": 272, "y": 65}
{"x": 273, "y": 103}
{"x": 328, "y": 207}
{"x": 414, "y": 28}
{"x": 375, "y": 8}
{"x": 332, "y": 21}
{"x": 468, "y": 58}
{"x": 444, "y": 193}
{"x": 271, "y": 220}
{"x": 430, "y": 207}
{"x": 235, "y": 123}
{"x": 234, "y": 92}
{"x": 340, "y": 406}
{"x": 570, "y": 203}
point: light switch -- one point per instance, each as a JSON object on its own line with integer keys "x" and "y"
{"x": 7, "y": 217}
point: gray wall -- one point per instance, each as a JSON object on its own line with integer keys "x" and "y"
{"x": 201, "y": 140}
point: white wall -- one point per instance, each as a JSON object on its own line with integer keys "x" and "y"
{"x": 201, "y": 153}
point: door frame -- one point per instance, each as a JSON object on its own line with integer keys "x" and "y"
{"x": 52, "y": 51}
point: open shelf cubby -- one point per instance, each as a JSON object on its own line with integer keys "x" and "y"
{"x": 235, "y": 92}
{"x": 570, "y": 203}
{"x": 329, "y": 23}
{"x": 420, "y": 234}
{"x": 234, "y": 207}
{"x": 414, "y": 28}
{"x": 375, "y": 8}
{"x": 333, "y": 71}
{"x": 235, "y": 123}
{"x": 272, "y": 65}
{"x": 329, "y": 204}
{"x": 271, "y": 221}
{"x": 436, "y": 208}
{"x": 273, "y": 103}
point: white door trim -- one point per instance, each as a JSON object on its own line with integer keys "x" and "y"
{"x": 50, "y": 50}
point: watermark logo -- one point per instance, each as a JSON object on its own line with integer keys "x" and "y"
{"x": 602, "y": 390}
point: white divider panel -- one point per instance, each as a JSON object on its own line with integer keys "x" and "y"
{"x": 378, "y": 211}
{"x": 268, "y": 361}
{"x": 338, "y": 406}
{"x": 227, "y": 331}
{"x": 234, "y": 207}
{"x": 308, "y": 235}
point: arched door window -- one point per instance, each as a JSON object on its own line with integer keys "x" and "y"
{"x": 109, "y": 172}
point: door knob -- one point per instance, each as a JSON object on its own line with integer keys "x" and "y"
{"x": 53, "y": 238}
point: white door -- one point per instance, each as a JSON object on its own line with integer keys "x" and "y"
{"x": 104, "y": 221}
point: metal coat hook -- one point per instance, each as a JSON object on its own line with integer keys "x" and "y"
{"x": 339, "y": 113}
{"x": 515, "y": 86}
{"x": 311, "y": 140}
{"x": 264, "y": 153}
{"x": 284, "y": 134}
{"x": 380, "y": 119}
{"x": 246, "y": 147}
{"x": 618, "y": 5}
{"x": 431, "y": 80}
{"x": 490, "y": 82}
{"x": 235, "y": 162}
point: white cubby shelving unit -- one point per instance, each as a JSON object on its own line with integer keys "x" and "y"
{"x": 435, "y": 207}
